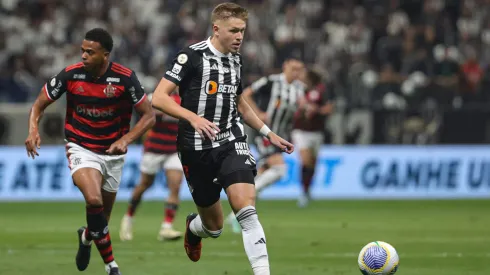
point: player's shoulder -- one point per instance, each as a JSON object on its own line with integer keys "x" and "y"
{"x": 120, "y": 70}
{"x": 274, "y": 77}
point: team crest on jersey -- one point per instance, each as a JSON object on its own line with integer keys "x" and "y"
{"x": 110, "y": 91}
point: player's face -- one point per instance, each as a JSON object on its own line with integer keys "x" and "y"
{"x": 293, "y": 69}
{"x": 230, "y": 33}
{"x": 93, "y": 55}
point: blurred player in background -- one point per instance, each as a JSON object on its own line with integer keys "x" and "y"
{"x": 100, "y": 98}
{"x": 160, "y": 152}
{"x": 275, "y": 99}
{"x": 309, "y": 123}
{"x": 211, "y": 142}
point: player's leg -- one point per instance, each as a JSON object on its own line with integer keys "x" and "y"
{"x": 174, "y": 174}
{"x": 112, "y": 167}
{"x": 237, "y": 177}
{"x": 241, "y": 197}
{"x": 149, "y": 166}
{"x": 274, "y": 167}
{"x": 275, "y": 171}
{"x": 89, "y": 182}
{"x": 200, "y": 173}
{"x": 307, "y": 171}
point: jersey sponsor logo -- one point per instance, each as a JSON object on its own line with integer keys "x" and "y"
{"x": 169, "y": 73}
{"x": 223, "y": 135}
{"x": 132, "y": 91}
{"x": 177, "y": 68}
{"x": 182, "y": 58}
{"x": 94, "y": 112}
{"x": 110, "y": 91}
{"x": 113, "y": 79}
{"x": 242, "y": 148}
{"x": 79, "y": 76}
{"x": 56, "y": 90}
{"x": 212, "y": 88}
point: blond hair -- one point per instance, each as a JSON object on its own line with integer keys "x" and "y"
{"x": 228, "y": 10}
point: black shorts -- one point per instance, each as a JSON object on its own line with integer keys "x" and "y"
{"x": 265, "y": 149}
{"x": 209, "y": 171}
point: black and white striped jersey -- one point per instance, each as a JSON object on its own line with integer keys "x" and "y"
{"x": 209, "y": 84}
{"x": 279, "y": 99}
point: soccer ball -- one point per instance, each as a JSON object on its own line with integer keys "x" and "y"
{"x": 378, "y": 258}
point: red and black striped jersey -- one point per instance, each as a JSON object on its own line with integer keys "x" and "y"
{"x": 162, "y": 138}
{"x": 98, "y": 110}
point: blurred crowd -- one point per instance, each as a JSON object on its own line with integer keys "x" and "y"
{"x": 372, "y": 53}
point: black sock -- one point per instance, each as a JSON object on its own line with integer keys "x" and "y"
{"x": 99, "y": 231}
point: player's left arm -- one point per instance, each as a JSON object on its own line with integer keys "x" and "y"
{"x": 252, "y": 120}
{"x": 147, "y": 117}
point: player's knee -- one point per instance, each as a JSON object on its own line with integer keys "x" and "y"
{"x": 94, "y": 200}
{"x": 248, "y": 218}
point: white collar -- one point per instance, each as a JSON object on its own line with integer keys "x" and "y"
{"x": 214, "y": 50}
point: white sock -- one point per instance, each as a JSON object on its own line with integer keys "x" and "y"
{"x": 254, "y": 240}
{"x": 269, "y": 176}
{"x": 110, "y": 265}
{"x": 166, "y": 225}
{"x": 84, "y": 240}
{"x": 198, "y": 229}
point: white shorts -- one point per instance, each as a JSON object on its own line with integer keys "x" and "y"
{"x": 152, "y": 163}
{"x": 109, "y": 166}
{"x": 307, "y": 140}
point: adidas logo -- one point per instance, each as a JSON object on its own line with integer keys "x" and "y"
{"x": 260, "y": 241}
{"x": 248, "y": 162}
{"x": 214, "y": 67}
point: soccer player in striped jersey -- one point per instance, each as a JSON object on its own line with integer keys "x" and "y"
{"x": 211, "y": 141}
{"x": 275, "y": 99}
{"x": 160, "y": 152}
{"x": 100, "y": 97}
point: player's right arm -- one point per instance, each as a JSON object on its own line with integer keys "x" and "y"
{"x": 50, "y": 92}
{"x": 182, "y": 67}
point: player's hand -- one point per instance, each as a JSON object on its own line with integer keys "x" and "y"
{"x": 281, "y": 143}
{"x": 119, "y": 147}
{"x": 33, "y": 142}
{"x": 204, "y": 127}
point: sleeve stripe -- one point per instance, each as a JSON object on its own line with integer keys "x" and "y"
{"x": 45, "y": 88}
{"x": 140, "y": 101}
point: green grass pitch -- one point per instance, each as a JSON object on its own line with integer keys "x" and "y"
{"x": 432, "y": 237}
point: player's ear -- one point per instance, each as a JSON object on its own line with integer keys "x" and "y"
{"x": 215, "y": 30}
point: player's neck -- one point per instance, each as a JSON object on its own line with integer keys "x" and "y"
{"x": 218, "y": 46}
{"x": 100, "y": 71}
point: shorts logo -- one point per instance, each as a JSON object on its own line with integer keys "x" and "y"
{"x": 76, "y": 161}
{"x": 242, "y": 148}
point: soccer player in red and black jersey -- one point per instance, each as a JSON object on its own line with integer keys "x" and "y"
{"x": 160, "y": 152}
{"x": 100, "y": 98}
{"x": 309, "y": 126}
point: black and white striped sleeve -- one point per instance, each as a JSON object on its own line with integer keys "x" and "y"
{"x": 260, "y": 85}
